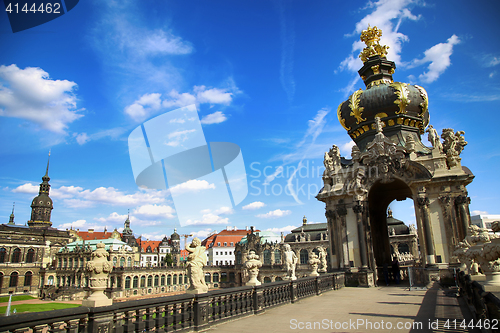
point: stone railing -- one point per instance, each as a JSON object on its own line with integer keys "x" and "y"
{"x": 177, "y": 313}
{"x": 483, "y": 305}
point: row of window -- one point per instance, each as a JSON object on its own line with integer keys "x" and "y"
{"x": 225, "y": 244}
{"x": 16, "y": 256}
{"x": 155, "y": 281}
{"x": 14, "y": 279}
{"x": 223, "y": 253}
{"x": 303, "y": 256}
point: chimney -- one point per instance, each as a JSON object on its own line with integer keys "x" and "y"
{"x": 247, "y": 228}
{"x": 228, "y": 228}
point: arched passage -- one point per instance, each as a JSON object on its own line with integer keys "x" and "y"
{"x": 379, "y": 198}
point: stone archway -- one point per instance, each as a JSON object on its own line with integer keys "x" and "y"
{"x": 379, "y": 197}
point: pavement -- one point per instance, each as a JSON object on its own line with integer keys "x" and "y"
{"x": 380, "y": 309}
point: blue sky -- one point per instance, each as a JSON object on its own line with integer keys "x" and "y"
{"x": 264, "y": 75}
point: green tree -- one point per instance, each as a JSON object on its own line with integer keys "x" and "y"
{"x": 168, "y": 260}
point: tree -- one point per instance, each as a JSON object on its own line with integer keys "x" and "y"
{"x": 168, "y": 260}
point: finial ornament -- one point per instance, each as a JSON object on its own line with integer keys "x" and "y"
{"x": 371, "y": 37}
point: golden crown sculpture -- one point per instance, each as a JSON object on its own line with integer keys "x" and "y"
{"x": 371, "y": 37}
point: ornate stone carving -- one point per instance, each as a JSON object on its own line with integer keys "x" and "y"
{"x": 354, "y": 105}
{"x": 423, "y": 201}
{"x": 314, "y": 262}
{"x": 98, "y": 269}
{"x": 195, "y": 262}
{"x": 291, "y": 261}
{"x": 454, "y": 144}
{"x": 410, "y": 144}
{"x": 252, "y": 265}
{"x": 322, "y": 259}
{"x": 357, "y": 209}
{"x": 355, "y": 153}
{"x": 433, "y": 138}
{"x": 341, "y": 210}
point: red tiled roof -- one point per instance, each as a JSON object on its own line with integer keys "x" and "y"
{"x": 226, "y": 236}
{"x": 91, "y": 235}
{"x": 144, "y": 245}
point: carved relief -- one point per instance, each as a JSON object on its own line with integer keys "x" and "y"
{"x": 354, "y": 105}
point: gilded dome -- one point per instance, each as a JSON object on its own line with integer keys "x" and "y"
{"x": 402, "y": 107}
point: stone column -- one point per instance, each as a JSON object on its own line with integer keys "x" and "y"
{"x": 98, "y": 268}
{"x": 341, "y": 213}
{"x": 423, "y": 203}
{"x": 450, "y": 226}
{"x": 462, "y": 202}
{"x": 358, "y": 209}
{"x": 334, "y": 238}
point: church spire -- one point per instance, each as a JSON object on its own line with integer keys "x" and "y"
{"x": 11, "y": 219}
{"x": 41, "y": 206}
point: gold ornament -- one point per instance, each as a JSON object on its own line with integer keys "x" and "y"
{"x": 354, "y": 105}
{"x": 371, "y": 38}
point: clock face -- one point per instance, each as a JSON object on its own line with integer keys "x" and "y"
{"x": 41, "y": 202}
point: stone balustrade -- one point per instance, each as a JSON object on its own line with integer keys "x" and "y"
{"x": 173, "y": 313}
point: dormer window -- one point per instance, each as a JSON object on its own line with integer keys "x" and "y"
{"x": 218, "y": 244}
{"x": 225, "y": 243}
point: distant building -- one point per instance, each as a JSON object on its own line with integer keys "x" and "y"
{"x": 220, "y": 246}
{"x": 484, "y": 221}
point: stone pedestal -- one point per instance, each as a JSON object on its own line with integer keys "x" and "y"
{"x": 492, "y": 282}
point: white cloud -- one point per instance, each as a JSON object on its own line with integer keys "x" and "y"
{"x": 30, "y": 94}
{"x": 26, "y": 188}
{"x": 193, "y": 185}
{"x": 315, "y": 126}
{"x": 82, "y": 225}
{"x": 214, "y": 118}
{"x": 208, "y": 219}
{"x": 479, "y": 212}
{"x": 271, "y": 177}
{"x": 112, "y": 218}
{"x": 154, "y": 212}
{"x": 213, "y": 95}
{"x": 161, "y": 42}
{"x": 439, "y": 58}
{"x": 178, "y": 137}
{"x": 275, "y": 214}
{"x": 346, "y": 148}
{"x": 202, "y": 234}
{"x": 145, "y": 106}
{"x": 254, "y": 205}
{"x": 284, "y": 230}
{"x": 82, "y": 138}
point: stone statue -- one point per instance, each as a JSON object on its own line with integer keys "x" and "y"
{"x": 355, "y": 153}
{"x": 410, "y": 144}
{"x": 453, "y": 145}
{"x": 252, "y": 265}
{"x": 314, "y": 262}
{"x": 290, "y": 261}
{"x": 433, "y": 138}
{"x": 98, "y": 268}
{"x": 412, "y": 229}
{"x": 378, "y": 125}
{"x": 322, "y": 259}
{"x": 196, "y": 260}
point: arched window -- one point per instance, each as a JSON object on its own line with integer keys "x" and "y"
{"x": 185, "y": 279}
{"x": 238, "y": 257}
{"x": 143, "y": 281}
{"x": 127, "y": 282}
{"x": 304, "y": 256}
{"x": 27, "y": 279}
{"x": 136, "y": 282}
{"x": 150, "y": 281}
{"x": 122, "y": 262}
{"x": 169, "y": 280}
{"x": 13, "y": 279}
{"x": 215, "y": 277}
{"x": 70, "y": 262}
{"x": 16, "y": 255}
{"x": 175, "y": 279}
{"x": 118, "y": 282}
{"x": 114, "y": 261}
{"x": 157, "y": 280}
{"x": 3, "y": 253}
{"x": 267, "y": 257}
{"x": 278, "y": 278}
{"x": 208, "y": 278}
{"x": 30, "y": 257}
{"x": 162, "y": 280}
{"x": 65, "y": 262}
{"x": 180, "y": 278}
{"x": 231, "y": 277}
{"x": 277, "y": 257}
{"x": 51, "y": 280}
{"x": 129, "y": 262}
{"x": 267, "y": 279}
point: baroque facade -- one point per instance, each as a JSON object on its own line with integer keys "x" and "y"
{"x": 390, "y": 162}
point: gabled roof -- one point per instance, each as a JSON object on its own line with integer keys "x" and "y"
{"x": 154, "y": 245}
{"x": 91, "y": 235}
{"x": 225, "y": 236}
